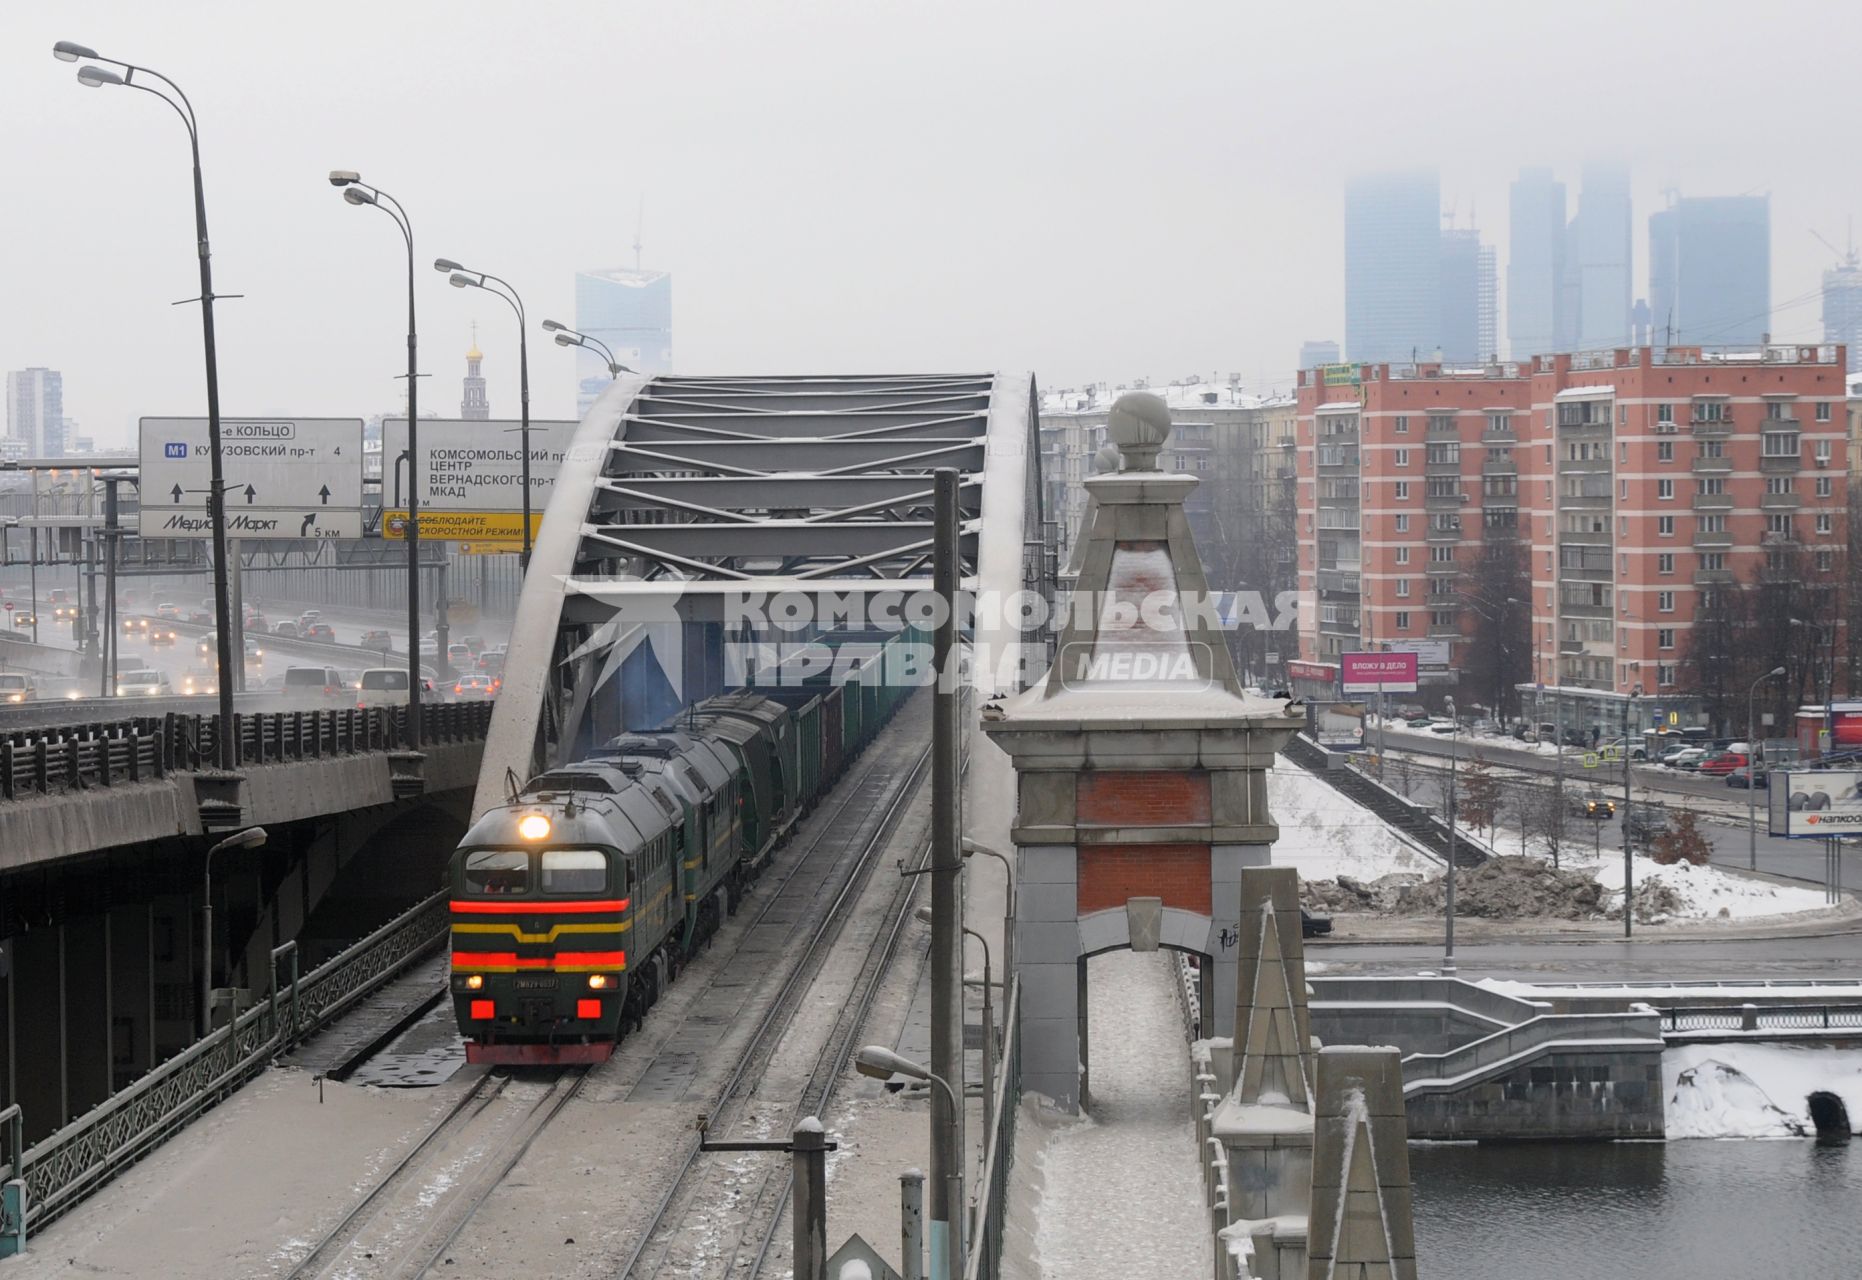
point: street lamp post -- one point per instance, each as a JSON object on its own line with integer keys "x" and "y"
{"x": 250, "y": 838}
{"x": 1454, "y": 760}
{"x": 1629, "y": 838}
{"x": 882, "y": 1063}
{"x": 567, "y": 337}
{"x": 972, "y": 848}
{"x": 989, "y": 1025}
{"x": 1817, "y": 670}
{"x": 1752, "y": 765}
{"x": 356, "y": 192}
{"x": 462, "y": 278}
{"x": 96, "y": 77}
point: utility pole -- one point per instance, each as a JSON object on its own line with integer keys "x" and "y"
{"x": 946, "y": 902}
{"x": 1629, "y": 843}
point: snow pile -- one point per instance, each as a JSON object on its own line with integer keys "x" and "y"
{"x": 1755, "y": 1090}
{"x": 1324, "y": 835}
{"x": 1704, "y": 893}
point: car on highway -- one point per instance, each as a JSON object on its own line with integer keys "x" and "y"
{"x": 459, "y": 655}
{"x": 387, "y": 686}
{"x": 200, "y": 618}
{"x": 377, "y": 639}
{"x": 491, "y": 662}
{"x": 309, "y": 616}
{"x": 1312, "y": 926}
{"x": 143, "y": 683}
{"x": 25, "y": 620}
{"x": 199, "y": 682}
{"x": 16, "y": 686}
{"x": 164, "y": 636}
{"x": 1749, "y": 776}
{"x": 1723, "y": 763}
{"x": 475, "y": 643}
{"x": 323, "y": 684}
{"x": 474, "y": 688}
{"x": 322, "y": 632}
{"x": 1591, "y": 804}
{"x": 287, "y": 630}
{"x": 133, "y": 627}
{"x": 168, "y": 612}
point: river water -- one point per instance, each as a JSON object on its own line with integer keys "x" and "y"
{"x": 1695, "y": 1210}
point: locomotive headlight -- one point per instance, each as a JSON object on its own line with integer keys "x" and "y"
{"x": 599, "y": 981}
{"x": 533, "y": 826}
{"x": 475, "y": 982}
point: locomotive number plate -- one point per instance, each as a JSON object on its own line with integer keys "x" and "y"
{"x": 536, "y": 984}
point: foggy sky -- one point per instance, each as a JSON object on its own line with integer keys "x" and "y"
{"x": 1088, "y": 190}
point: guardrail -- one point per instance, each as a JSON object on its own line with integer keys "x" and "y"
{"x": 63, "y": 1169}
{"x": 78, "y": 757}
{"x": 989, "y": 1210}
{"x": 1452, "y": 1069}
{"x": 1754, "y": 1017}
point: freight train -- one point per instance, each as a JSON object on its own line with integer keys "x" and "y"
{"x": 575, "y": 903}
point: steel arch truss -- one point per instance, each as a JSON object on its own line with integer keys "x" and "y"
{"x": 684, "y": 492}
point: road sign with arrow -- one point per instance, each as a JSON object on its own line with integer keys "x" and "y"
{"x": 284, "y": 477}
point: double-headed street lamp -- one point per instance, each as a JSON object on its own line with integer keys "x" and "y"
{"x": 357, "y": 192}
{"x": 96, "y": 77}
{"x": 463, "y": 278}
{"x": 567, "y": 337}
{"x": 1752, "y": 767}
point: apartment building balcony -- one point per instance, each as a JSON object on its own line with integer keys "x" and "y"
{"x": 1444, "y": 568}
{"x": 1586, "y": 572}
{"x": 1433, "y": 534}
{"x": 1571, "y": 609}
{"x": 1712, "y": 466}
{"x": 1775, "y": 539}
{"x": 1712, "y": 541}
{"x": 1783, "y": 424}
{"x": 1713, "y": 502}
{"x": 1780, "y": 501}
{"x": 1442, "y": 500}
{"x": 1500, "y": 467}
{"x": 1339, "y": 628}
{"x": 1585, "y": 538}
{"x": 1584, "y": 501}
{"x": 1491, "y": 435}
{"x": 1714, "y": 578}
{"x": 1705, "y": 429}
{"x": 1445, "y": 631}
{"x": 1444, "y": 467}
{"x": 1500, "y": 500}
{"x": 1780, "y": 464}
{"x": 1337, "y": 459}
{"x": 1338, "y": 581}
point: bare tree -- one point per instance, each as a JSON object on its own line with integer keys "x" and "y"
{"x": 1544, "y": 816}
{"x": 1499, "y": 658}
{"x": 1480, "y": 795}
{"x": 1682, "y": 842}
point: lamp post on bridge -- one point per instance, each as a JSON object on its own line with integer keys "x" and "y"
{"x": 250, "y": 838}
{"x": 464, "y": 278}
{"x": 356, "y": 192}
{"x": 567, "y": 337}
{"x": 96, "y": 77}
{"x": 1752, "y": 767}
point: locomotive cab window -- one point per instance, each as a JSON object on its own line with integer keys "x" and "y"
{"x": 497, "y": 871}
{"x": 574, "y": 871}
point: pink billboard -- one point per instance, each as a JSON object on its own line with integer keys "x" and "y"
{"x": 1394, "y": 672}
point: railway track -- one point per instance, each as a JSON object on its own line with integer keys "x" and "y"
{"x": 665, "y": 1246}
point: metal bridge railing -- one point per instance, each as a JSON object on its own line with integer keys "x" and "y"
{"x": 74, "y": 757}
{"x": 989, "y": 1210}
{"x": 62, "y": 1169}
{"x": 1754, "y": 1017}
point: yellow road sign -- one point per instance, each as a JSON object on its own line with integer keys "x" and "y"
{"x": 460, "y": 526}
{"x": 1590, "y": 759}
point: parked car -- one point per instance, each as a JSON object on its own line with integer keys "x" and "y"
{"x": 474, "y": 688}
{"x": 322, "y": 683}
{"x": 377, "y": 639}
{"x": 286, "y": 629}
{"x": 1725, "y": 762}
{"x": 1687, "y": 758}
{"x": 1748, "y": 777}
{"x": 16, "y": 686}
{"x": 1421, "y": 722}
{"x": 1442, "y": 726}
{"x": 142, "y": 683}
{"x": 1591, "y": 804}
{"x": 1312, "y": 926}
{"x": 320, "y": 631}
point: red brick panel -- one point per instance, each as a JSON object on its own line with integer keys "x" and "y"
{"x": 1177, "y": 873}
{"x": 1142, "y": 798}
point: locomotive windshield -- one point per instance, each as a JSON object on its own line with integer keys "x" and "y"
{"x": 497, "y": 871}
{"x": 574, "y": 871}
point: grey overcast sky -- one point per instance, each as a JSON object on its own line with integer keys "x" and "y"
{"x": 1087, "y": 189}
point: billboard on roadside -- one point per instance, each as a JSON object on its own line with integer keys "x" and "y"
{"x": 1378, "y": 672}
{"x": 1815, "y": 803}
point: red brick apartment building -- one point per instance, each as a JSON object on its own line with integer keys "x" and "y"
{"x": 1637, "y": 480}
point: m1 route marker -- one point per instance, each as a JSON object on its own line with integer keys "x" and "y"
{"x": 298, "y": 477}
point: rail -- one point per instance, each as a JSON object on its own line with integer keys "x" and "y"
{"x": 1753, "y": 1017}
{"x": 989, "y": 1210}
{"x": 145, "y": 748}
{"x": 64, "y": 1168}
{"x": 1453, "y": 1068}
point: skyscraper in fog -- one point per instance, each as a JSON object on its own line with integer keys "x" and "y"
{"x": 1710, "y": 271}
{"x": 1393, "y": 266}
{"x": 1535, "y": 263}
{"x": 1317, "y": 351}
{"x": 1598, "y": 263}
{"x": 629, "y": 309}
{"x": 1469, "y": 313}
{"x": 35, "y": 413}
{"x": 1842, "y": 309}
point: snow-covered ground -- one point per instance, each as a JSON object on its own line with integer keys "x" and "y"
{"x": 1324, "y": 835}
{"x": 1708, "y": 892}
{"x": 1755, "y": 1090}
{"x": 1121, "y": 1192}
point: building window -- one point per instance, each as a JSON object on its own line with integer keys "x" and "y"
{"x": 1402, "y": 620}
{"x": 1441, "y": 424}
{"x": 1665, "y": 526}
{"x": 1778, "y": 524}
{"x": 1777, "y": 411}
{"x": 1710, "y": 411}
{"x": 1664, "y": 638}
{"x": 1441, "y": 555}
{"x": 1664, "y": 413}
{"x": 1712, "y": 486}
{"x": 1664, "y": 451}
{"x": 1782, "y": 484}
{"x": 1665, "y": 563}
{"x": 1622, "y": 490}
{"x": 1665, "y": 601}
{"x": 1710, "y": 524}
{"x": 1402, "y": 424}
{"x": 1402, "y": 457}
{"x": 1823, "y": 453}
{"x": 1441, "y": 617}
{"x": 1823, "y": 486}
{"x": 1823, "y": 411}
{"x": 1499, "y": 422}
{"x": 1713, "y": 561}
{"x": 1449, "y": 451}
{"x": 1402, "y": 523}
{"x": 1402, "y": 491}
{"x": 1402, "y": 555}
{"x": 1824, "y": 521}
{"x": 1780, "y": 444}
{"x": 1664, "y": 675}
{"x": 1825, "y": 561}
{"x": 1665, "y": 490}
{"x": 1402, "y": 588}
